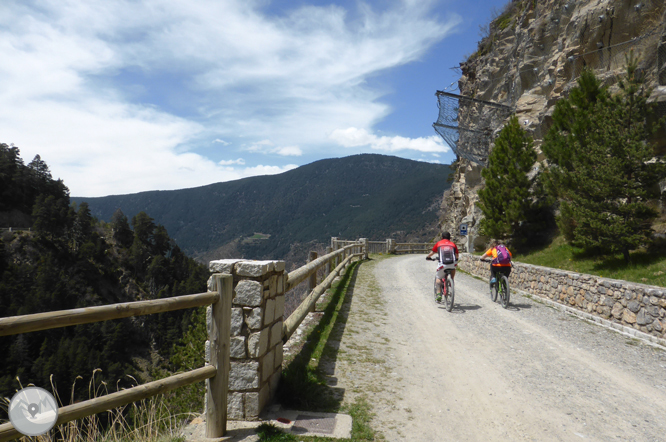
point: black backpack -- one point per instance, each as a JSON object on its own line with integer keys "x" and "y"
{"x": 447, "y": 255}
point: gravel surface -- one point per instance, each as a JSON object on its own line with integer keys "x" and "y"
{"x": 481, "y": 372}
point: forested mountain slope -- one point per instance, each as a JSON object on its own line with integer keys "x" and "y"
{"x": 374, "y": 196}
{"x": 70, "y": 260}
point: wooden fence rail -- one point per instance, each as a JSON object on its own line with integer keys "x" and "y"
{"x": 63, "y": 318}
{"x": 386, "y": 247}
{"x": 341, "y": 257}
{"x": 217, "y": 372}
{"x": 294, "y": 320}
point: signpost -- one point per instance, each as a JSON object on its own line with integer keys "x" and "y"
{"x": 463, "y": 229}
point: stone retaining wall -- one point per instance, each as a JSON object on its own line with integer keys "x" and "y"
{"x": 257, "y": 312}
{"x": 638, "y": 306}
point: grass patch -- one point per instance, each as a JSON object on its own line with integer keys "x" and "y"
{"x": 646, "y": 267}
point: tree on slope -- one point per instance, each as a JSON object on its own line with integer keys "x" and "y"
{"x": 602, "y": 166}
{"x": 506, "y": 199}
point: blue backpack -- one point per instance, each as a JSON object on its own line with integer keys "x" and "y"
{"x": 503, "y": 256}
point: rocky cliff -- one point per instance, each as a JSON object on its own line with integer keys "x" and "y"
{"x": 531, "y": 57}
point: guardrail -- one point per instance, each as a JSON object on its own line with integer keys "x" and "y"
{"x": 217, "y": 372}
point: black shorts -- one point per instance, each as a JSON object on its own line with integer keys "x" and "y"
{"x": 503, "y": 270}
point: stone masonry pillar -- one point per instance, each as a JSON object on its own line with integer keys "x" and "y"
{"x": 257, "y": 312}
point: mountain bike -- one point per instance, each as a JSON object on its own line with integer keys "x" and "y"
{"x": 500, "y": 289}
{"x": 449, "y": 295}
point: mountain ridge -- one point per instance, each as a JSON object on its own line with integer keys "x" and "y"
{"x": 366, "y": 195}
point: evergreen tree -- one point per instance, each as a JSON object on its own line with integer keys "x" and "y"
{"x": 602, "y": 165}
{"x": 506, "y": 198}
{"x": 83, "y": 225}
{"x": 53, "y": 217}
{"x": 121, "y": 229}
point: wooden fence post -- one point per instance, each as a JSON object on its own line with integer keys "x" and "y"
{"x": 219, "y": 331}
{"x": 328, "y": 264}
{"x": 366, "y": 245}
{"x": 313, "y": 278}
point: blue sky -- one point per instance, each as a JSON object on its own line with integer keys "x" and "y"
{"x": 123, "y": 96}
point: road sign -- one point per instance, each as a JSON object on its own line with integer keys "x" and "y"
{"x": 463, "y": 229}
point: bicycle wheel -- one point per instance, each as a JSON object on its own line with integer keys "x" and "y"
{"x": 504, "y": 281}
{"x": 450, "y": 293}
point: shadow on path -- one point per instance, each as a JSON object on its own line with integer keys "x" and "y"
{"x": 518, "y": 307}
{"x": 462, "y": 308}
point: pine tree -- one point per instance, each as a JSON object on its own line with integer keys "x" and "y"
{"x": 121, "y": 229}
{"x": 506, "y": 198}
{"x": 602, "y": 166}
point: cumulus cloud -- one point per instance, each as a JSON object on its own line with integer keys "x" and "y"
{"x": 353, "y": 137}
{"x": 231, "y": 162}
{"x": 122, "y": 96}
{"x": 288, "y": 151}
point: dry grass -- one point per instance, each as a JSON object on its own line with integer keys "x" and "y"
{"x": 148, "y": 420}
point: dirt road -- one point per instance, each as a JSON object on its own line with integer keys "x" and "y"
{"x": 485, "y": 373}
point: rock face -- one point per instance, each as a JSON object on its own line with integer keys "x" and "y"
{"x": 531, "y": 58}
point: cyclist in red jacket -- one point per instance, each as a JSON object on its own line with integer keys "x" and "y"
{"x": 448, "y": 256}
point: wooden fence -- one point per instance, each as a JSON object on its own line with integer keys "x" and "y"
{"x": 385, "y": 247}
{"x": 339, "y": 255}
{"x": 409, "y": 247}
{"x": 339, "y": 259}
{"x": 219, "y": 336}
{"x": 217, "y": 372}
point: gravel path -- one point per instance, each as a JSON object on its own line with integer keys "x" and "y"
{"x": 481, "y": 372}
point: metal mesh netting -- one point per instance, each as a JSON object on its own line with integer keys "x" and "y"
{"x": 459, "y": 114}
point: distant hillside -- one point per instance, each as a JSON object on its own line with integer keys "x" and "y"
{"x": 374, "y": 196}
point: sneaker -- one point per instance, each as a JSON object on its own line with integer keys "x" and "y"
{"x": 493, "y": 281}
{"x": 438, "y": 298}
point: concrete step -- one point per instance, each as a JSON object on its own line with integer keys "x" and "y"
{"x": 303, "y": 423}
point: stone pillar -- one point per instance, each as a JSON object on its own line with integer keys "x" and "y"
{"x": 334, "y": 244}
{"x": 390, "y": 244}
{"x": 257, "y": 312}
{"x": 366, "y": 245}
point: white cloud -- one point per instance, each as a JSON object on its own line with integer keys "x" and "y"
{"x": 231, "y": 162}
{"x": 265, "y": 170}
{"x": 353, "y": 137}
{"x": 288, "y": 151}
{"x": 117, "y": 96}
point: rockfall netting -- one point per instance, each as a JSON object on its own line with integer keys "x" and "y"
{"x": 467, "y": 124}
